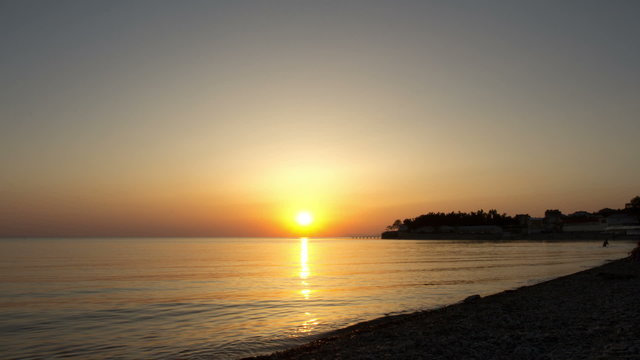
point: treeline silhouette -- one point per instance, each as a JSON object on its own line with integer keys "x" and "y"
{"x": 474, "y": 218}
{"x": 492, "y": 217}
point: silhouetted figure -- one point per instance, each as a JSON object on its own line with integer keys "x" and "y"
{"x": 635, "y": 253}
{"x": 605, "y": 243}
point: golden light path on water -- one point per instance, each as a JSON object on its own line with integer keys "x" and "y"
{"x": 305, "y": 273}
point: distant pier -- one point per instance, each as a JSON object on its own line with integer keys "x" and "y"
{"x": 364, "y": 236}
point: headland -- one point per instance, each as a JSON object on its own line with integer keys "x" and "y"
{"x": 605, "y": 224}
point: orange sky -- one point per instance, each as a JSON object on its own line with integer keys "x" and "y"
{"x": 227, "y": 119}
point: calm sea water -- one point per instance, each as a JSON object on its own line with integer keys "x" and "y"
{"x": 228, "y": 298}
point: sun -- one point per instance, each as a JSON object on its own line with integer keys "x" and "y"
{"x": 304, "y": 218}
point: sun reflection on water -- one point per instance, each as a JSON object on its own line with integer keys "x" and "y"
{"x": 305, "y": 272}
{"x": 304, "y": 258}
{"x": 308, "y": 326}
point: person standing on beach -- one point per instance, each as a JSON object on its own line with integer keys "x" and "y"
{"x": 635, "y": 253}
{"x": 605, "y": 243}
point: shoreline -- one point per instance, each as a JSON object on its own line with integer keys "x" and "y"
{"x": 591, "y": 314}
{"x": 561, "y": 236}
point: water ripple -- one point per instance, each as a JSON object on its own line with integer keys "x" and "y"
{"x": 229, "y": 298}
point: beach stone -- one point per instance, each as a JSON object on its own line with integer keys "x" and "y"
{"x": 525, "y": 352}
{"x": 471, "y": 298}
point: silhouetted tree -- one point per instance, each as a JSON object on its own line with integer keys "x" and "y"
{"x": 474, "y": 218}
{"x": 633, "y": 207}
{"x": 606, "y": 212}
{"x": 552, "y": 213}
{"x": 395, "y": 226}
{"x": 553, "y": 220}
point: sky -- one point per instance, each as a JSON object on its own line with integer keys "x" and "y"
{"x": 228, "y": 118}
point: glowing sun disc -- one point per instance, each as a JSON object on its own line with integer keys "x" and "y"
{"x": 304, "y": 218}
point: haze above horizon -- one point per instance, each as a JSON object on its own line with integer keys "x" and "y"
{"x": 228, "y": 118}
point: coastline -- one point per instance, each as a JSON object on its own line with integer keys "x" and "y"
{"x": 560, "y": 236}
{"x": 591, "y": 314}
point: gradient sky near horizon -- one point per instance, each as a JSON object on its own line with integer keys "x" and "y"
{"x": 223, "y": 118}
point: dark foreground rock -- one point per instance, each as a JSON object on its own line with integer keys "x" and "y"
{"x": 594, "y": 314}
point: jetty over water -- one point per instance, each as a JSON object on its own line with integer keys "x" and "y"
{"x": 365, "y": 236}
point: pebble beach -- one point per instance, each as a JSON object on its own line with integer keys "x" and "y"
{"x": 592, "y": 314}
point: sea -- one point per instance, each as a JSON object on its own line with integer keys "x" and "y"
{"x": 228, "y": 298}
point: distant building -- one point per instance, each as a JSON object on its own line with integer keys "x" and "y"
{"x": 446, "y": 229}
{"x": 425, "y": 230}
{"x": 523, "y": 220}
{"x": 480, "y": 229}
{"x": 621, "y": 219}
{"x": 535, "y": 225}
{"x": 580, "y": 214}
{"x": 584, "y": 223}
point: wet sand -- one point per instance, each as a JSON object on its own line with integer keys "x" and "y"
{"x": 593, "y": 314}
